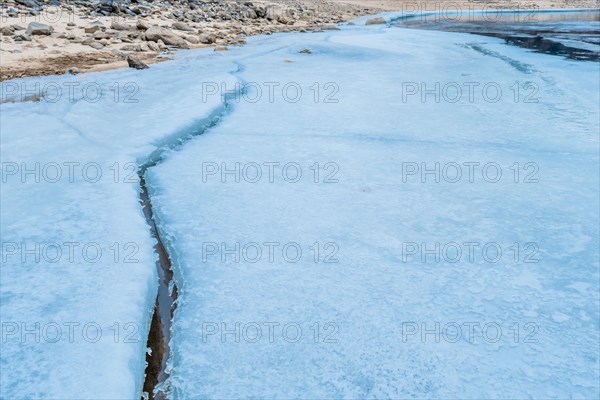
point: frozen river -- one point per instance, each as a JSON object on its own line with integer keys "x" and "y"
{"x": 374, "y": 213}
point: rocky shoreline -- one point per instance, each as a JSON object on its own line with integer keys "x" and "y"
{"x": 50, "y": 37}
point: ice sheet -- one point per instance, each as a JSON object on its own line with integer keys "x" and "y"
{"x": 368, "y": 303}
{"x": 75, "y": 324}
{"x": 360, "y": 119}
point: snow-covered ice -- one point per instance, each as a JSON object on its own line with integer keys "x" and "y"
{"x": 74, "y": 321}
{"x": 347, "y": 318}
{"x": 368, "y": 304}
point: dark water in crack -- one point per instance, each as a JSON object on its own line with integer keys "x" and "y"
{"x": 160, "y": 328}
{"x": 571, "y": 34}
{"x": 166, "y": 299}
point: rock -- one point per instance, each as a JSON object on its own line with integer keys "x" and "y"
{"x": 96, "y": 45}
{"x": 17, "y": 27}
{"x": 7, "y": 31}
{"x": 182, "y": 27}
{"x": 94, "y": 27}
{"x": 375, "y": 21}
{"x": 54, "y": 52}
{"x": 221, "y": 48}
{"x": 37, "y": 28}
{"x": 192, "y": 39}
{"x": 207, "y": 38}
{"x": 73, "y": 71}
{"x": 251, "y": 14}
{"x": 71, "y": 24}
{"x": 132, "y": 47}
{"x": 22, "y": 38}
{"x": 91, "y": 29}
{"x": 278, "y": 12}
{"x": 153, "y": 46}
{"x": 27, "y": 3}
{"x": 305, "y": 51}
{"x": 119, "y": 26}
{"x": 156, "y": 33}
{"x": 330, "y": 28}
{"x": 142, "y": 25}
{"x": 119, "y": 54}
{"x": 136, "y": 63}
{"x": 100, "y": 35}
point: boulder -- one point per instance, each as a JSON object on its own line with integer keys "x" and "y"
{"x": 132, "y": 47}
{"x": 119, "y": 26}
{"x": 28, "y": 3}
{"x": 22, "y": 38}
{"x": 192, "y": 39}
{"x": 156, "y": 33}
{"x": 100, "y": 35}
{"x": 182, "y": 27}
{"x": 207, "y": 38}
{"x": 142, "y": 25}
{"x": 375, "y": 21}
{"x": 37, "y": 28}
{"x": 154, "y": 46}
{"x": 7, "y": 30}
{"x": 135, "y": 62}
{"x": 73, "y": 71}
{"x": 91, "y": 29}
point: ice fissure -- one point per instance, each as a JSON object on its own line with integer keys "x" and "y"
{"x": 157, "y": 358}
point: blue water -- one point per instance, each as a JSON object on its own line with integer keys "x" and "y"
{"x": 572, "y": 34}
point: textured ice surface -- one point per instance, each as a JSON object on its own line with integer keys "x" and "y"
{"x": 365, "y": 303}
{"x": 63, "y": 299}
{"x": 377, "y": 292}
